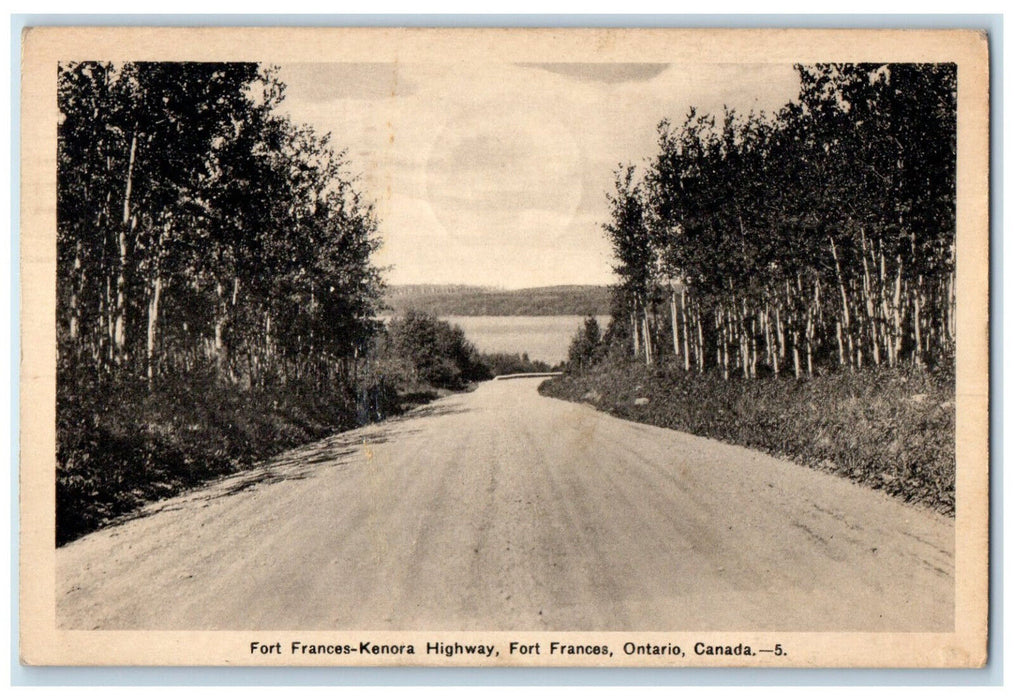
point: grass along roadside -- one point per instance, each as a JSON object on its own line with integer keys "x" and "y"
{"x": 115, "y": 456}
{"x": 891, "y": 429}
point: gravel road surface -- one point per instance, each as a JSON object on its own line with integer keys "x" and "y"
{"x": 501, "y": 509}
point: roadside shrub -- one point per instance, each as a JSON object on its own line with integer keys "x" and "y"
{"x": 436, "y": 352}
{"x": 586, "y": 345}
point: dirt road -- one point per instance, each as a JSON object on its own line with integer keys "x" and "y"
{"x": 502, "y": 509}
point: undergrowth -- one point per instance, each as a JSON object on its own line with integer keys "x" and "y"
{"x": 891, "y": 429}
{"x": 121, "y": 446}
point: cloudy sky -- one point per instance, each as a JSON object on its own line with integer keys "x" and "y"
{"x": 497, "y": 174}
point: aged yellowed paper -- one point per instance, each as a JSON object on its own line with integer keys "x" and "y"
{"x": 186, "y": 230}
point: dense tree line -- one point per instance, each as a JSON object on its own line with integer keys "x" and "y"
{"x": 462, "y": 300}
{"x": 200, "y": 231}
{"x": 498, "y": 363}
{"x": 820, "y": 236}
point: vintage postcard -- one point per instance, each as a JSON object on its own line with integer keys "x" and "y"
{"x": 504, "y": 347}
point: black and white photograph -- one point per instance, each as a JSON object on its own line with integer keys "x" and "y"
{"x": 504, "y": 347}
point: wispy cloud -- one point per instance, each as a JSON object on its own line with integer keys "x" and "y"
{"x": 603, "y": 72}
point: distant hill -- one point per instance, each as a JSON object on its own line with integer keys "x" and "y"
{"x": 463, "y": 300}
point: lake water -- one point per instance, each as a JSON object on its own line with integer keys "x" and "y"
{"x": 544, "y": 338}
